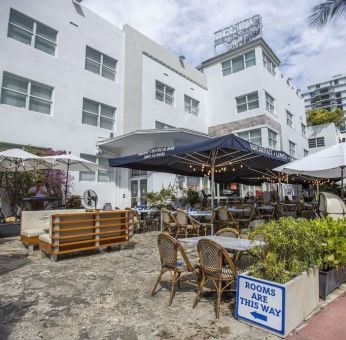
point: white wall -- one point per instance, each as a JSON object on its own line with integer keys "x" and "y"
{"x": 174, "y": 115}
{"x": 222, "y": 92}
{"x": 63, "y": 129}
{"x": 329, "y": 132}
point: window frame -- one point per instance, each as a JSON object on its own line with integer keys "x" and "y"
{"x": 33, "y": 33}
{"x": 99, "y": 114}
{"x": 189, "y": 107}
{"x": 164, "y": 93}
{"x": 269, "y": 65}
{"x": 247, "y": 102}
{"x": 273, "y": 143}
{"x": 316, "y": 142}
{"x": 289, "y": 119}
{"x": 294, "y": 153}
{"x": 303, "y": 128}
{"x": 101, "y": 63}
{"x": 249, "y": 139}
{"x": 28, "y": 94}
{"x": 246, "y": 62}
{"x": 269, "y": 104}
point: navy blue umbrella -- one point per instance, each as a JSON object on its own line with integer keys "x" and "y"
{"x": 224, "y": 159}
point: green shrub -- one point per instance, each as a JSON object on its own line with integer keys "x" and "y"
{"x": 74, "y": 202}
{"x": 163, "y": 197}
{"x": 292, "y": 246}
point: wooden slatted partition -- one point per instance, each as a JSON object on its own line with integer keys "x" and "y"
{"x": 71, "y": 233}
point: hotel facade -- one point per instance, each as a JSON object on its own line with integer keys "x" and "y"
{"x": 72, "y": 81}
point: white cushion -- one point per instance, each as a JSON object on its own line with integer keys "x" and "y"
{"x": 32, "y": 232}
{"x": 45, "y": 238}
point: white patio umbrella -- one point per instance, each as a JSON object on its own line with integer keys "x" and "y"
{"x": 13, "y": 160}
{"x": 328, "y": 163}
{"x": 69, "y": 162}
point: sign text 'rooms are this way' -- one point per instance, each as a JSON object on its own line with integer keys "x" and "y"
{"x": 261, "y": 303}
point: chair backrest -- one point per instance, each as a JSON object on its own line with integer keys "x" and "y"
{"x": 181, "y": 217}
{"x": 169, "y": 249}
{"x": 222, "y": 214}
{"x": 212, "y": 257}
{"x": 256, "y": 235}
{"x": 255, "y": 223}
{"x": 228, "y": 232}
{"x": 166, "y": 216}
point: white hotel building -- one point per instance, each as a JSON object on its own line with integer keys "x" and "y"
{"x": 72, "y": 81}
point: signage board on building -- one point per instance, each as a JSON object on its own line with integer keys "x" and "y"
{"x": 261, "y": 303}
{"x": 239, "y": 34}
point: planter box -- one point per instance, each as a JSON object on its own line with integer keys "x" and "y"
{"x": 331, "y": 280}
{"x": 277, "y": 308}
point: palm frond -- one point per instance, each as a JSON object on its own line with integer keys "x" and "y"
{"x": 324, "y": 12}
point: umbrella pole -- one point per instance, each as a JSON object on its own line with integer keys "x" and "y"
{"x": 212, "y": 186}
{"x": 66, "y": 183}
{"x": 342, "y": 182}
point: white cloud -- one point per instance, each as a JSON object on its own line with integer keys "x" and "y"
{"x": 186, "y": 27}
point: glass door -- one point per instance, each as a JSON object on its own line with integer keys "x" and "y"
{"x": 139, "y": 188}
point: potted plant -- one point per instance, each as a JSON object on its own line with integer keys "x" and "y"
{"x": 281, "y": 288}
{"x": 162, "y": 198}
{"x": 333, "y": 268}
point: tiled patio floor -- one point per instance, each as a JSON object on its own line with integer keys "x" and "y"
{"x": 103, "y": 296}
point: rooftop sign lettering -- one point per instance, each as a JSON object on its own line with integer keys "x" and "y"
{"x": 240, "y": 33}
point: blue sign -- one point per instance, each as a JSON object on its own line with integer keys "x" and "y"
{"x": 261, "y": 302}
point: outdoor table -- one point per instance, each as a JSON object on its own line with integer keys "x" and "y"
{"x": 149, "y": 212}
{"x": 198, "y": 214}
{"x": 229, "y": 243}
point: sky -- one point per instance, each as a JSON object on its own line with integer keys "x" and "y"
{"x": 186, "y": 27}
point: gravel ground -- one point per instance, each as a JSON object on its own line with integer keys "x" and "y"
{"x": 104, "y": 296}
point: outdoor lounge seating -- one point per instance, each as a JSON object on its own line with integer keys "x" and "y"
{"x": 173, "y": 260}
{"x": 331, "y": 205}
{"x": 72, "y": 233}
{"x": 216, "y": 266}
{"x": 36, "y": 223}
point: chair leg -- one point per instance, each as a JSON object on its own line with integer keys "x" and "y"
{"x": 178, "y": 281}
{"x": 157, "y": 282}
{"x": 199, "y": 291}
{"x": 174, "y": 281}
{"x": 218, "y": 302}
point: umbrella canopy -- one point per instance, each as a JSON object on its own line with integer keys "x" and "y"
{"x": 19, "y": 160}
{"x": 226, "y": 158}
{"x": 328, "y": 163}
{"x": 69, "y": 162}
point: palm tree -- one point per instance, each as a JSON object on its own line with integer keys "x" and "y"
{"x": 326, "y": 11}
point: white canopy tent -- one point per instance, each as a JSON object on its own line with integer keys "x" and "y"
{"x": 328, "y": 163}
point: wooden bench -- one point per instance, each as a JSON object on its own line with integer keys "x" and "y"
{"x": 34, "y": 223}
{"x": 73, "y": 233}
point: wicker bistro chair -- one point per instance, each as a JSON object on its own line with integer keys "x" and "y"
{"x": 247, "y": 216}
{"x": 185, "y": 226}
{"x": 267, "y": 213}
{"x": 228, "y": 232}
{"x": 168, "y": 222}
{"x": 135, "y": 221}
{"x": 216, "y": 266}
{"x": 170, "y": 249}
{"x": 224, "y": 219}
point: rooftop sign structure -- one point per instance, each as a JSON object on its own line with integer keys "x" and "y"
{"x": 239, "y": 34}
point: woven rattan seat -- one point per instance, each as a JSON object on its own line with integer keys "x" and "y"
{"x": 216, "y": 266}
{"x": 228, "y": 232}
{"x": 173, "y": 260}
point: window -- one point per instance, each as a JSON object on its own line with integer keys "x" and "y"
{"x": 316, "y": 142}
{"x": 24, "y": 93}
{"x": 191, "y": 105}
{"x": 306, "y": 153}
{"x": 292, "y": 148}
{"x": 97, "y": 114}
{"x": 252, "y": 136}
{"x": 289, "y": 118}
{"x": 100, "y": 63}
{"x": 164, "y": 93}
{"x": 88, "y": 176}
{"x": 270, "y": 103}
{"x": 31, "y": 32}
{"x": 272, "y": 139}
{"x": 247, "y": 102}
{"x": 303, "y": 129}
{"x": 138, "y": 173}
{"x": 269, "y": 65}
{"x": 239, "y": 63}
{"x": 336, "y": 82}
{"x": 107, "y": 174}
